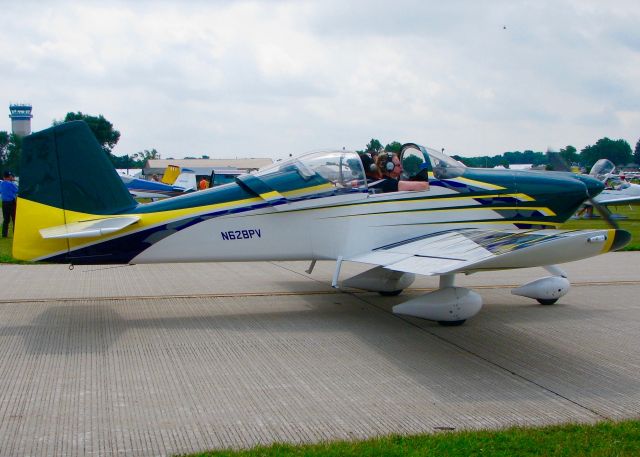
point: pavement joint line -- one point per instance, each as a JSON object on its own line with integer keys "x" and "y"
{"x": 484, "y": 359}
{"x": 279, "y": 294}
{"x": 511, "y": 286}
{"x": 299, "y": 273}
{"x": 171, "y": 297}
{"x": 495, "y": 286}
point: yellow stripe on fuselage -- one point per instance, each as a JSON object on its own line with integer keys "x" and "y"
{"x": 473, "y": 182}
{"x": 310, "y": 189}
{"x": 271, "y": 195}
{"x": 374, "y": 201}
{"x": 545, "y": 211}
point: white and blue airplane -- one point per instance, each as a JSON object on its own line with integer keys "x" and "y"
{"x": 73, "y": 208}
{"x": 617, "y": 191}
{"x": 144, "y": 188}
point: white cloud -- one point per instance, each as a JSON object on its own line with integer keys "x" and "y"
{"x": 273, "y": 78}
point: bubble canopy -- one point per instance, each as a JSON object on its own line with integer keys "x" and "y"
{"x": 602, "y": 169}
{"x": 417, "y": 159}
{"x": 343, "y": 169}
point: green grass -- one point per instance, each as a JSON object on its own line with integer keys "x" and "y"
{"x": 601, "y": 440}
{"x": 5, "y": 248}
{"x": 631, "y": 224}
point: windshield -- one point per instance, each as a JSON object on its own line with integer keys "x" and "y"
{"x": 602, "y": 169}
{"x": 416, "y": 158}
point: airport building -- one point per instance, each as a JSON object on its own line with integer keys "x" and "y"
{"x": 204, "y": 167}
{"x": 20, "y": 114}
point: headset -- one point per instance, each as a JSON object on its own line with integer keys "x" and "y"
{"x": 389, "y": 165}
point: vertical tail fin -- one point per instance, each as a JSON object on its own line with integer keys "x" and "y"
{"x": 171, "y": 173}
{"x": 64, "y": 176}
{"x": 186, "y": 180}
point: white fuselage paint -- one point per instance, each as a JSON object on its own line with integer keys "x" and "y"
{"x": 318, "y": 229}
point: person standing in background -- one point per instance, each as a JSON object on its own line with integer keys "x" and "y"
{"x": 9, "y": 192}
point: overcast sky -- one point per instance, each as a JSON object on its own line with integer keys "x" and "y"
{"x": 270, "y": 78}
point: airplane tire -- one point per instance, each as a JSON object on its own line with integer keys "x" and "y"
{"x": 392, "y": 293}
{"x": 452, "y": 323}
{"x": 547, "y": 302}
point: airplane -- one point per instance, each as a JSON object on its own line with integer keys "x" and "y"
{"x": 174, "y": 182}
{"x": 74, "y": 209}
{"x": 617, "y": 189}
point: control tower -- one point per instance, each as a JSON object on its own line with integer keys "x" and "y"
{"x": 20, "y": 118}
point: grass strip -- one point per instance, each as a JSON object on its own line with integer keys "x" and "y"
{"x": 619, "y": 439}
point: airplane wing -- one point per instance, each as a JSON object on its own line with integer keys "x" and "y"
{"x": 470, "y": 250}
{"x": 621, "y": 200}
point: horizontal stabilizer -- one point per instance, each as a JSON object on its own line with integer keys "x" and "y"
{"x": 89, "y": 229}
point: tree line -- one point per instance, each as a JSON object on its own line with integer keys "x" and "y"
{"x": 105, "y": 133}
{"x": 618, "y": 151}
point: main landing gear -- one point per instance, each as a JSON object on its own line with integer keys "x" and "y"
{"x": 449, "y": 305}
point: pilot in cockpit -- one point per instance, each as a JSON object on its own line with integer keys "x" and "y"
{"x": 390, "y": 168}
{"x": 370, "y": 168}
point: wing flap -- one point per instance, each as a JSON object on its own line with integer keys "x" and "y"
{"x": 89, "y": 229}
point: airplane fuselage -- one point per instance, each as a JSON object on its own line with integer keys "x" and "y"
{"x": 230, "y": 223}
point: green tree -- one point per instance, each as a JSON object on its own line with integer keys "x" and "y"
{"x": 125, "y": 161}
{"x": 136, "y": 160}
{"x": 636, "y": 153}
{"x": 394, "y": 146}
{"x": 569, "y": 154}
{"x": 106, "y": 135}
{"x": 618, "y": 151}
{"x": 13, "y": 153}
{"x": 4, "y": 145}
{"x": 374, "y": 146}
{"x": 142, "y": 156}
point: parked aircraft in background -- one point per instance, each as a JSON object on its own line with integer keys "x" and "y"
{"x": 617, "y": 190}
{"x": 144, "y": 188}
{"x": 73, "y": 208}
{"x": 176, "y": 182}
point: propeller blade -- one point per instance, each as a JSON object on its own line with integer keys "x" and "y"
{"x": 604, "y": 213}
{"x": 557, "y": 162}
